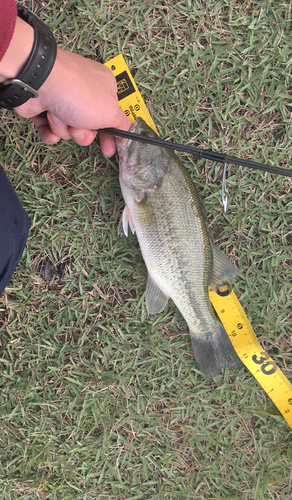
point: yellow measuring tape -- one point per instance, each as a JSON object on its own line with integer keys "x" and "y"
{"x": 225, "y": 302}
{"x": 130, "y": 99}
{"x": 244, "y": 341}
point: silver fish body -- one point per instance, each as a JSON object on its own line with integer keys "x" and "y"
{"x": 168, "y": 216}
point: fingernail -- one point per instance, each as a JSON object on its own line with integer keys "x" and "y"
{"x": 78, "y": 136}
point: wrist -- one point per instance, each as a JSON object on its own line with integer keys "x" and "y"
{"x": 35, "y": 68}
{"x": 18, "y": 51}
{"x": 57, "y": 77}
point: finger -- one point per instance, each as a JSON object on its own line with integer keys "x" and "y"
{"x": 58, "y": 127}
{"x": 44, "y": 130}
{"x": 116, "y": 118}
{"x": 107, "y": 144}
{"x": 122, "y": 122}
{"x": 81, "y": 136}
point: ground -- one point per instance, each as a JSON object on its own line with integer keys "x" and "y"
{"x": 98, "y": 399}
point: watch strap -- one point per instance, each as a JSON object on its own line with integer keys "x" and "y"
{"x": 38, "y": 67}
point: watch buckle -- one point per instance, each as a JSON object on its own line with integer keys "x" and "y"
{"x": 25, "y": 86}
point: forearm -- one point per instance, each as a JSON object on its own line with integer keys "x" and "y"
{"x": 18, "y": 51}
{"x": 79, "y": 95}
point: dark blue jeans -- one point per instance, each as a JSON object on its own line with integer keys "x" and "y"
{"x": 14, "y": 227}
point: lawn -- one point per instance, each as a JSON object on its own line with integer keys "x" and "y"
{"x": 99, "y": 400}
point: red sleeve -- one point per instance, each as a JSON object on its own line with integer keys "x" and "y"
{"x": 8, "y": 14}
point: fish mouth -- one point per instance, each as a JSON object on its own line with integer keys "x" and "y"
{"x": 138, "y": 124}
{"x": 135, "y": 125}
{"x": 123, "y": 142}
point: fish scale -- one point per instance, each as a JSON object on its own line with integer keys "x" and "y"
{"x": 181, "y": 262}
{"x": 168, "y": 216}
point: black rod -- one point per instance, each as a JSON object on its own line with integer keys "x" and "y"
{"x": 203, "y": 153}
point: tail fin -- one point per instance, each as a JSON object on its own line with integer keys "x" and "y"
{"x": 214, "y": 352}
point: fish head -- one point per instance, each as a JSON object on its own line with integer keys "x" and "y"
{"x": 142, "y": 166}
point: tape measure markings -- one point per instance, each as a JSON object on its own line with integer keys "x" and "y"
{"x": 130, "y": 99}
{"x": 245, "y": 343}
{"x": 228, "y": 307}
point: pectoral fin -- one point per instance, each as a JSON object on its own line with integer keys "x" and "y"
{"x": 222, "y": 268}
{"x": 156, "y": 300}
{"x": 126, "y": 221}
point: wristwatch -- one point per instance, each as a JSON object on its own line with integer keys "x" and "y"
{"x": 38, "y": 67}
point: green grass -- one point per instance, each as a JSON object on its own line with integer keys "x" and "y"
{"x": 99, "y": 400}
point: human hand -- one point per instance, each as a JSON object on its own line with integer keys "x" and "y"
{"x": 80, "y": 96}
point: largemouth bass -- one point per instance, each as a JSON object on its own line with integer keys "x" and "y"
{"x": 168, "y": 216}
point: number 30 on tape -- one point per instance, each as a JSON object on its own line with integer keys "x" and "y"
{"x": 245, "y": 343}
